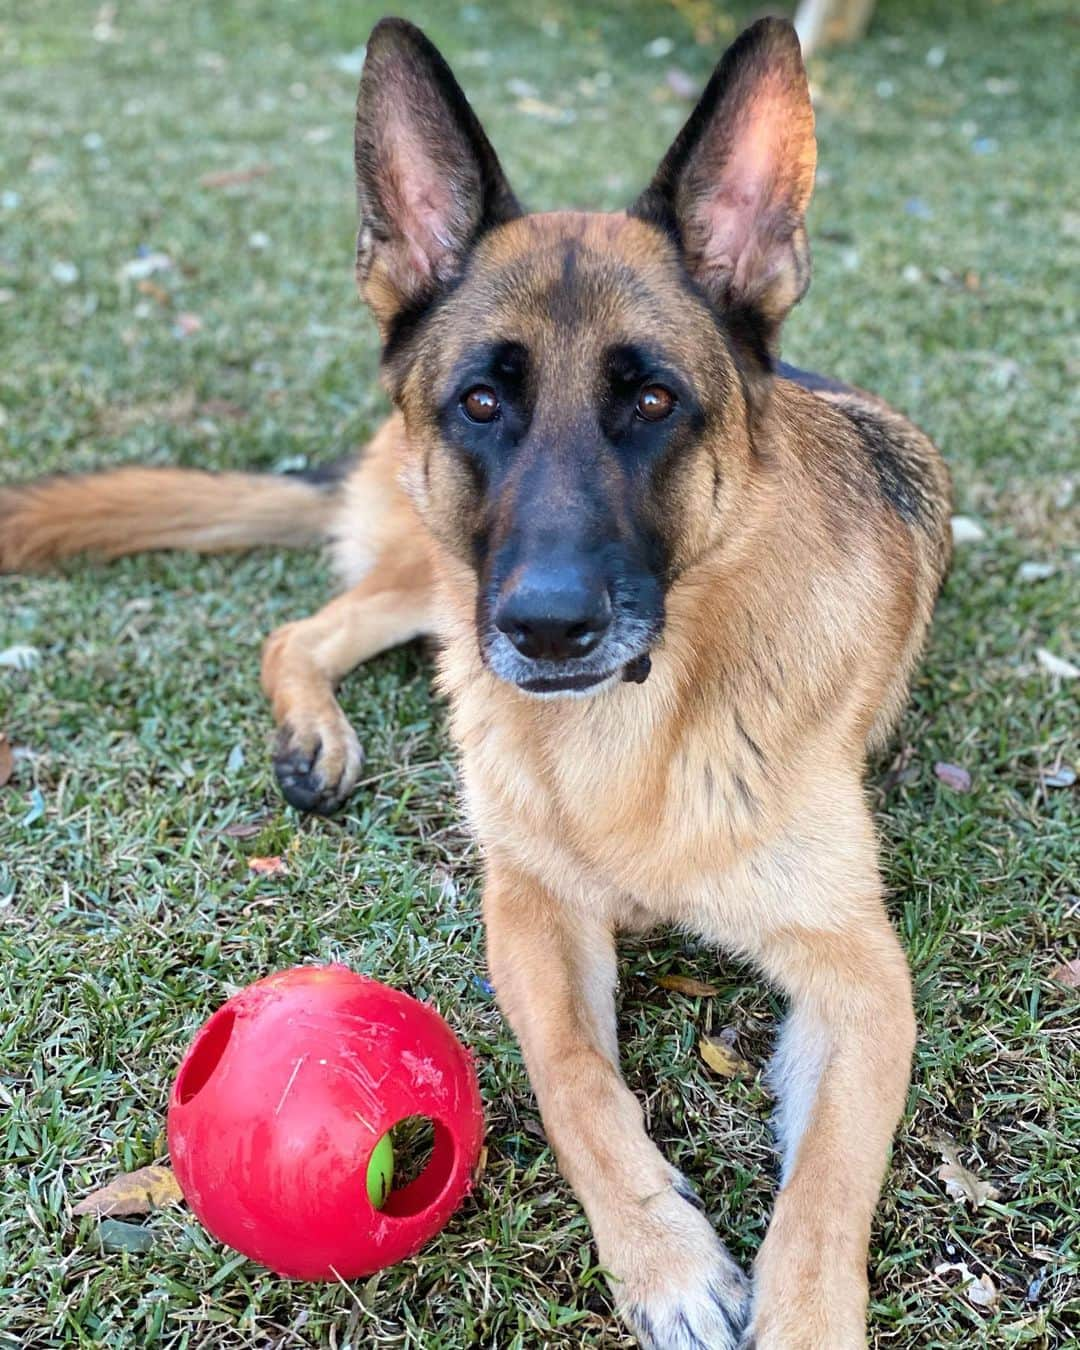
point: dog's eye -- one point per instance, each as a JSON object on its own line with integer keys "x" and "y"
{"x": 480, "y": 403}
{"x": 654, "y": 403}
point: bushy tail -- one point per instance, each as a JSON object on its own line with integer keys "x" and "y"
{"x": 134, "y": 510}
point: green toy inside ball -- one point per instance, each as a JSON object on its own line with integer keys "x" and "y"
{"x": 380, "y": 1172}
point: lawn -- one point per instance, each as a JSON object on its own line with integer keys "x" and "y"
{"x": 945, "y": 255}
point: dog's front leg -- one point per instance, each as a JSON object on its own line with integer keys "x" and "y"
{"x": 554, "y": 975}
{"x": 318, "y": 758}
{"x": 841, "y": 1074}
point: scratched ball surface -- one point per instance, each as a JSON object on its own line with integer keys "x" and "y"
{"x": 279, "y": 1115}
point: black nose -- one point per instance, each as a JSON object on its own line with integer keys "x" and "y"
{"x": 554, "y": 613}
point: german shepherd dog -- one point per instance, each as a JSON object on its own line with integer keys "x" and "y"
{"x": 679, "y": 590}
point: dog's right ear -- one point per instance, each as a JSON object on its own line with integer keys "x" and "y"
{"x": 428, "y": 183}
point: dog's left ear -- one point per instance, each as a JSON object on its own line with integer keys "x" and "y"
{"x": 735, "y": 185}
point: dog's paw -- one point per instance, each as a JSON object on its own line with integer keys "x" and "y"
{"x": 692, "y": 1295}
{"x": 317, "y": 764}
{"x": 707, "y": 1312}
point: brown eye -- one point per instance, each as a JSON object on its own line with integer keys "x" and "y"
{"x": 481, "y": 404}
{"x": 655, "y": 403}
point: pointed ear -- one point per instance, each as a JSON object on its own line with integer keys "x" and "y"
{"x": 734, "y": 187}
{"x": 428, "y": 183}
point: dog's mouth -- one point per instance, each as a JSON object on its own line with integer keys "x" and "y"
{"x": 635, "y": 671}
{"x": 565, "y": 684}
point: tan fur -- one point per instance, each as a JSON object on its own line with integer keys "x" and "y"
{"x": 133, "y": 510}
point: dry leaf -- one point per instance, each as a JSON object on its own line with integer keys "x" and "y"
{"x": 722, "y": 1059}
{"x": 980, "y": 1289}
{"x": 20, "y": 657}
{"x": 133, "y": 1193}
{"x": 960, "y": 1183}
{"x": 138, "y": 269}
{"x": 273, "y": 866}
{"x": 953, "y": 776}
{"x": 154, "y": 291}
{"x": 1056, "y": 665}
{"x": 234, "y": 177}
{"x": 7, "y": 761}
{"x": 686, "y": 984}
{"x": 982, "y": 1292}
{"x": 966, "y": 531}
{"x": 1068, "y": 973}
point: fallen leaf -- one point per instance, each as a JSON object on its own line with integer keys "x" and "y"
{"x": 145, "y": 265}
{"x": 7, "y": 761}
{"x": 234, "y": 177}
{"x": 1068, "y": 973}
{"x": 273, "y": 866}
{"x": 953, "y": 776}
{"x": 133, "y": 1193}
{"x": 966, "y": 531}
{"x": 980, "y": 1289}
{"x": 960, "y": 1182}
{"x": 722, "y": 1059}
{"x": 982, "y": 1292}
{"x": 20, "y": 657}
{"x": 115, "y": 1236}
{"x": 154, "y": 291}
{"x": 1035, "y": 571}
{"x": 1056, "y": 665}
{"x": 686, "y": 984}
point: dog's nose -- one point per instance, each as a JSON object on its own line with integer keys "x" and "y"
{"x": 555, "y": 613}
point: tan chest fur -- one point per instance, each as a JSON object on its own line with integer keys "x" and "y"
{"x": 677, "y": 801}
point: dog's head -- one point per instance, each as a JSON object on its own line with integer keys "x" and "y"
{"x": 580, "y": 391}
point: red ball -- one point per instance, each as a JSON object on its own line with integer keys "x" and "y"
{"x": 283, "y": 1096}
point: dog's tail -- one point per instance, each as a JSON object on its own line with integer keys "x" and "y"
{"x": 134, "y": 510}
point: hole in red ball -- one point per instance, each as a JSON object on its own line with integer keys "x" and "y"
{"x": 424, "y": 1155}
{"x": 205, "y": 1055}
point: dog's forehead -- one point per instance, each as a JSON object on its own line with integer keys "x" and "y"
{"x": 573, "y": 276}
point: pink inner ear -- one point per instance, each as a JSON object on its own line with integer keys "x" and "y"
{"x": 423, "y": 203}
{"x": 764, "y": 181}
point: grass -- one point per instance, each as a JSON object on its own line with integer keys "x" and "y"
{"x": 944, "y": 257}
